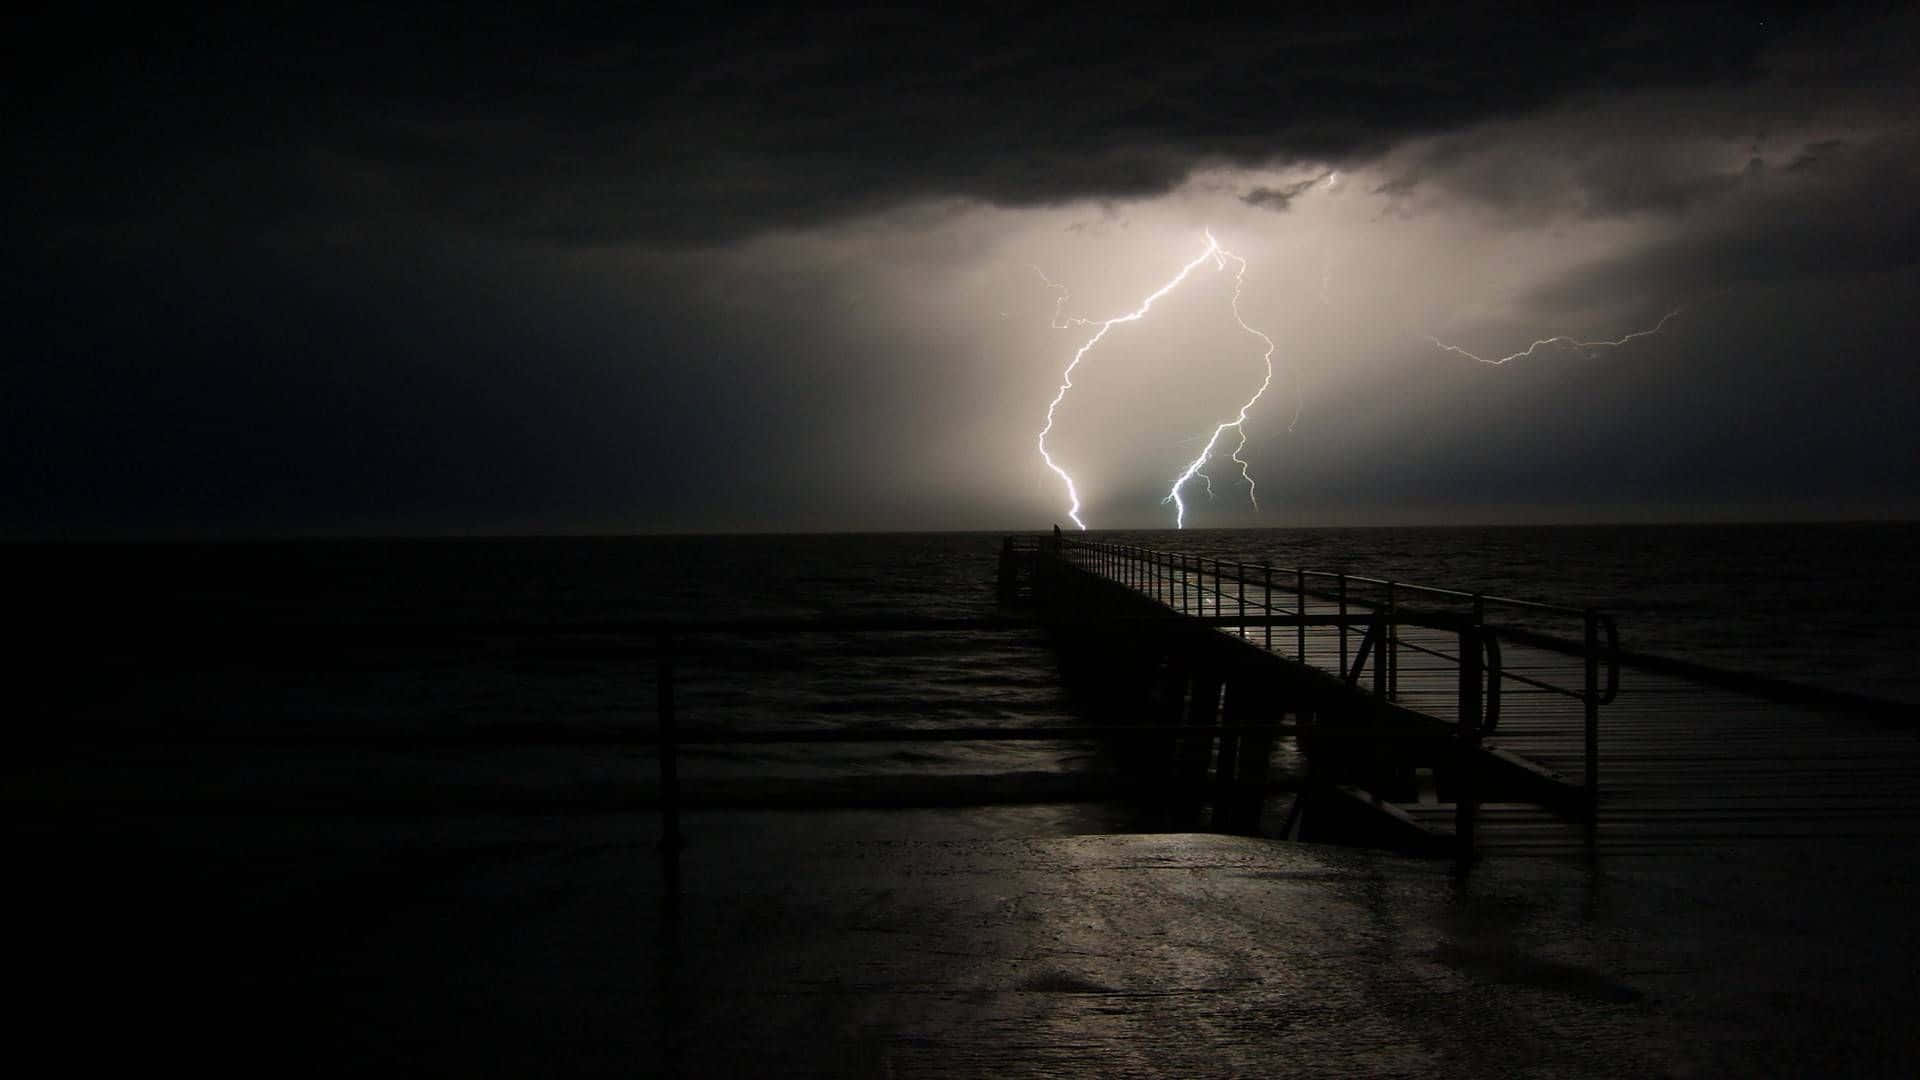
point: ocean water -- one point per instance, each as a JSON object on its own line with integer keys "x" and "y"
{"x": 1831, "y": 605}
{"x": 173, "y": 643}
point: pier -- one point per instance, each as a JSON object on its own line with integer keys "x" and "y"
{"x": 1443, "y": 721}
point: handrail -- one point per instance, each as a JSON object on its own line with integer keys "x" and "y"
{"x": 1180, "y": 580}
{"x": 1402, "y": 615}
{"x": 1504, "y": 601}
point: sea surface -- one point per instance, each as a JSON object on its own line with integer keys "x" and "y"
{"x": 173, "y": 643}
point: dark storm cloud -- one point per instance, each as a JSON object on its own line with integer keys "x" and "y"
{"x": 339, "y": 269}
{"x": 1571, "y": 166}
{"x": 681, "y": 127}
{"x": 1813, "y": 221}
{"x": 1278, "y": 199}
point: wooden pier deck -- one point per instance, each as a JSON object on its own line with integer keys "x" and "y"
{"x": 1682, "y": 765}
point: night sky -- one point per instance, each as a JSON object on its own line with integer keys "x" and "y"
{"x": 458, "y": 272}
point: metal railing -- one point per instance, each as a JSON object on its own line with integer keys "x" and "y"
{"x": 1249, "y": 597}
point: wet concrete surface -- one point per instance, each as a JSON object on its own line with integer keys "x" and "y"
{"x": 896, "y": 945}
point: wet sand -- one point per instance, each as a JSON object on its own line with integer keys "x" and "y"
{"x": 919, "y": 943}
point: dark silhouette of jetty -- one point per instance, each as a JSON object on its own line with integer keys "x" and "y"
{"x": 1438, "y": 720}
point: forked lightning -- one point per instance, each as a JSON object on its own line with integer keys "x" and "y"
{"x": 1220, "y": 258}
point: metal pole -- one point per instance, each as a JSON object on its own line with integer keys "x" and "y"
{"x": 1266, "y": 576}
{"x": 670, "y": 838}
{"x": 1591, "y": 699}
{"x": 1389, "y": 639}
{"x": 1300, "y": 603}
{"x": 1466, "y": 794}
{"x": 1240, "y": 572}
{"x": 1377, "y": 629}
{"x": 1343, "y": 622}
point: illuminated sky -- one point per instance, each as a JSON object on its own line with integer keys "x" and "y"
{"x": 469, "y": 273}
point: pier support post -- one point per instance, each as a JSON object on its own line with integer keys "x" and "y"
{"x": 1226, "y": 789}
{"x": 1243, "y": 771}
{"x": 1196, "y": 751}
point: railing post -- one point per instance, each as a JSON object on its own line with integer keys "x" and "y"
{"x": 1377, "y": 629}
{"x": 1240, "y": 575}
{"x": 1466, "y": 793}
{"x": 1591, "y": 700}
{"x": 1343, "y": 620}
{"x": 1300, "y": 605}
{"x": 670, "y": 838}
{"x": 1389, "y": 640}
{"x": 1266, "y": 576}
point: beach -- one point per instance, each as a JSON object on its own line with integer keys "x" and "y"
{"x": 188, "y": 894}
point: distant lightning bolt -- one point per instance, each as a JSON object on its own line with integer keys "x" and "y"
{"x": 1066, "y": 377}
{"x": 1239, "y": 422}
{"x": 1563, "y": 341}
{"x": 1060, "y": 321}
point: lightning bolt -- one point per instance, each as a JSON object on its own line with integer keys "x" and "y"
{"x": 1212, "y": 252}
{"x": 1563, "y": 341}
{"x": 1060, "y": 321}
{"x": 1239, "y": 422}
